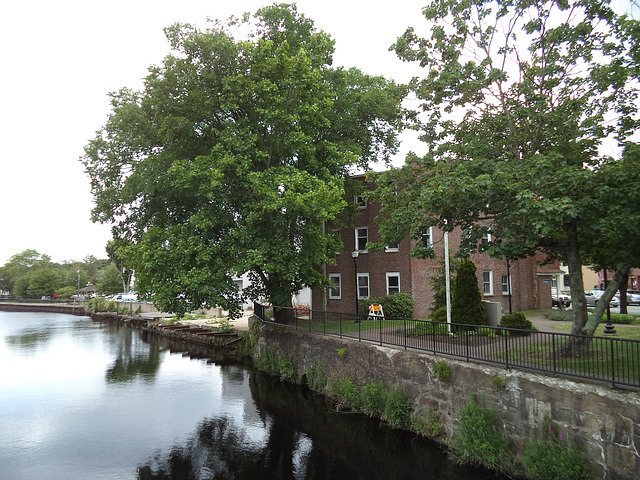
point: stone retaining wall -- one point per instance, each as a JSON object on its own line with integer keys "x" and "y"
{"x": 604, "y": 422}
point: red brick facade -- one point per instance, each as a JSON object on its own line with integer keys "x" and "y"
{"x": 530, "y": 282}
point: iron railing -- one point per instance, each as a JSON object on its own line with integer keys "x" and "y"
{"x": 607, "y": 359}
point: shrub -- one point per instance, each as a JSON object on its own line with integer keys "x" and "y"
{"x": 397, "y": 411}
{"x": 442, "y": 370}
{"x": 518, "y": 321}
{"x": 439, "y": 315}
{"x": 481, "y": 439}
{"x": 499, "y": 383}
{"x": 429, "y": 427}
{"x": 348, "y": 393}
{"x": 396, "y": 305}
{"x": 374, "y": 398}
{"x": 550, "y": 457}
{"x": 621, "y": 318}
{"x": 466, "y": 306}
{"x": 559, "y": 315}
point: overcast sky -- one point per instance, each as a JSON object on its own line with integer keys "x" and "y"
{"x": 61, "y": 58}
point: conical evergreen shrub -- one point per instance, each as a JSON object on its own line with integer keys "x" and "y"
{"x": 466, "y": 306}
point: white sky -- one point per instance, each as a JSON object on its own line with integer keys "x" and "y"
{"x": 61, "y": 58}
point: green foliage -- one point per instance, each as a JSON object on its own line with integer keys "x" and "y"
{"x": 438, "y": 283}
{"x": 559, "y": 315}
{"x": 622, "y": 318}
{"x": 499, "y": 383}
{"x": 526, "y": 168}
{"x": 426, "y": 328}
{"x": 429, "y": 427}
{"x": 442, "y": 371}
{"x": 348, "y": 393}
{"x": 111, "y": 282}
{"x": 316, "y": 378}
{"x": 466, "y": 306}
{"x": 397, "y": 410}
{"x": 342, "y": 352}
{"x": 286, "y": 369}
{"x": 549, "y": 456}
{"x": 224, "y": 326}
{"x": 374, "y": 399}
{"x": 481, "y": 438}
{"x": 233, "y": 156}
{"x": 396, "y": 305}
{"x": 439, "y": 314}
{"x": 517, "y": 321}
{"x": 276, "y": 365}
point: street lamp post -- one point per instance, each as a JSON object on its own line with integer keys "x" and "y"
{"x": 609, "y": 329}
{"x": 354, "y": 253}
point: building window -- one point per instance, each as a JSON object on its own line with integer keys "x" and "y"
{"x": 506, "y": 283}
{"x": 361, "y": 201}
{"x": 392, "y": 247}
{"x": 427, "y": 237}
{"x": 363, "y": 285}
{"x": 567, "y": 281}
{"x": 335, "y": 291}
{"x": 393, "y": 282}
{"x": 362, "y": 238}
{"x": 487, "y": 282}
{"x": 486, "y": 237}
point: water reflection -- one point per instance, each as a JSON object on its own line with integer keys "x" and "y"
{"x": 80, "y": 399}
{"x": 300, "y": 438}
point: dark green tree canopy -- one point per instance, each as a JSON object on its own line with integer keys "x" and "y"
{"x": 518, "y": 98}
{"x": 232, "y": 157}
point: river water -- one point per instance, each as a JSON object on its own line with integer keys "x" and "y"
{"x": 86, "y": 400}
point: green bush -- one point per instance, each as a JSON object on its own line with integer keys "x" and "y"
{"x": 396, "y": 305}
{"x": 348, "y": 393}
{"x": 550, "y": 457}
{"x": 397, "y": 410}
{"x": 518, "y": 321}
{"x": 374, "y": 398}
{"x": 620, "y": 318}
{"x": 442, "y": 370}
{"x": 560, "y": 315}
{"x": 481, "y": 439}
{"x": 439, "y": 315}
{"x": 466, "y": 307}
{"x": 429, "y": 427}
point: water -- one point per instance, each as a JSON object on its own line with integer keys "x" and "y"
{"x": 84, "y": 400}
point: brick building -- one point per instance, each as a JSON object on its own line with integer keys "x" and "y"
{"x": 394, "y": 270}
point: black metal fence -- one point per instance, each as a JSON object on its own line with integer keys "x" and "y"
{"x": 612, "y": 360}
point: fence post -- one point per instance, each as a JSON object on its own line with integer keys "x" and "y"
{"x": 404, "y": 321}
{"x": 613, "y": 366}
{"x": 466, "y": 338}
{"x": 553, "y": 346}
{"x": 506, "y": 348}
{"x": 340, "y": 322}
{"x": 380, "y": 330}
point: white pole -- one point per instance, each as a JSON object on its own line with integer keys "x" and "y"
{"x": 447, "y": 279}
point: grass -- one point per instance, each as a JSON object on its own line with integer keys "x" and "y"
{"x": 335, "y": 325}
{"x": 627, "y": 333}
{"x": 595, "y": 362}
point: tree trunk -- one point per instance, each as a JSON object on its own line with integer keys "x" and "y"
{"x": 574, "y": 263}
{"x": 623, "y": 294}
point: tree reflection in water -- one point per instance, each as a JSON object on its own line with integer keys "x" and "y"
{"x": 300, "y": 437}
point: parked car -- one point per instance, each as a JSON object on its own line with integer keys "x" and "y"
{"x": 559, "y": 298}
{"x": 633, "y": 297}
{"x": 125, "y": 297}
{"x": 593, "y": 296}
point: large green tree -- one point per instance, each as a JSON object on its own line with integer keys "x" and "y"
{"x": 518, "y": 97}
{"x": 233, "y": 156}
